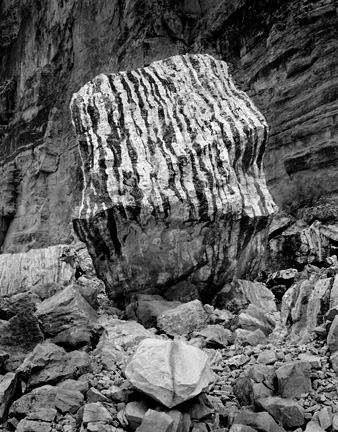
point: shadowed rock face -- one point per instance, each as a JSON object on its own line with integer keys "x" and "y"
{"x": 174, "y": 188}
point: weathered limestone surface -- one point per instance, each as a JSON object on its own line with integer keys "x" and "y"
{"x": 55, "y": 264}
{"x": 173, "y": 180}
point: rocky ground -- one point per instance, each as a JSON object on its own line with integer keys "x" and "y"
{"x": 264, "y": 357}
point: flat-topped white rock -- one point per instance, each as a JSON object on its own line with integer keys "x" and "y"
{"x": 173, "y": 180}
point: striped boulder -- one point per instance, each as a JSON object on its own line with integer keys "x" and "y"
{"x": 173, "y": 188}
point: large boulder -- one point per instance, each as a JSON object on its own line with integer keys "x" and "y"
{"x": 171, "y": 372}
{"x": 173, "y": 181}
{"x": 65, "y": 313}
{"x": 50, "y": 364}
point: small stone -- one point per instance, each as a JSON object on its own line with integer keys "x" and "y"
{"x": 267, "y": 357}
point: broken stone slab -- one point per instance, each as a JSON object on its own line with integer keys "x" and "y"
{"x": 50, "y": 364}
{"x": 200, "y": 408}
{"x": 144, "y": 216}
{"x": 324, "y": 417}
{"x": 68, "y": 401}
{"x": 315, "y": 361}
{"x": 313, "y": 426}
{"x": 239, "y": 294}
{"x": 171, "y": 372}
{"x": 183, "y": 319}
{"x": 254, "y": 318}
{"x": 156, "y": 421}
{"x": 121, "y": 335}
{"x": 40, "y": 398}
{"x": 10, "y": 389}
{"x": 215, "y": 335}
{"x": 285, "y": 411}
{"x": 267, "y": 357}
{"x": 261, "y": 421}
{"x": 33, "y": 425}
{"x": 42, "y": 414}
{"x": 294, "y": 379}
{"x": 247, "y": 337}
{"x": 65, "y": 310}
{"x": 260, "y": 390}
{"x": 95, "y": 413}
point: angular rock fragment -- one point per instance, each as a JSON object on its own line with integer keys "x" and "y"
{"x": 19, "y": 327}
{"x": 49, "y": 364}
{"x": 68, "y": 317}
{"x": 173, "y": 181}
{"x": 40, "y": 398}
{"x": 65, "y": 310}
{"x": 261, "y": 421}
{"x": 33, "y": 425}
{"x": 10, "y": 389}
{"x": 156, "y": 421}
{"x": 215, "y": 335}
{"x": 285, "y": 411}
{"x": 171, "y": 372}
{"x": 294, "y": 379}
{"x": 239, "y": 294}
{"x": 254, "y": 318}
{"x": 135, "y": 412}
{"x": 183, "y": 319}
{"x": 94, "y": 417}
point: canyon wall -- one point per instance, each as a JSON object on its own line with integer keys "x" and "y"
{"x": 283, "y": 53}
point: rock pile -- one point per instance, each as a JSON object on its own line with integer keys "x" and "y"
{"x": 218, "y": 376}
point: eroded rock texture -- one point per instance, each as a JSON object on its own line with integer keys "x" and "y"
{"x": 174, "y": 187}
{"x": 281, "y": 52}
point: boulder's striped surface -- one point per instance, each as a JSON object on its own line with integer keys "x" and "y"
{"x": 172, "y": 163}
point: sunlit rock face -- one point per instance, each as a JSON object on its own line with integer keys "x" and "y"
{"x": 173, "y": 182}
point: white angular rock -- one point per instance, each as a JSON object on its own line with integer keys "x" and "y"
{"x": 172, "y": 163}
{"x": 171, "y": 372}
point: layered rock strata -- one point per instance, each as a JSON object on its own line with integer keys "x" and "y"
{"x": 282, "y": 53}
{"x": 173, "y": 181}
